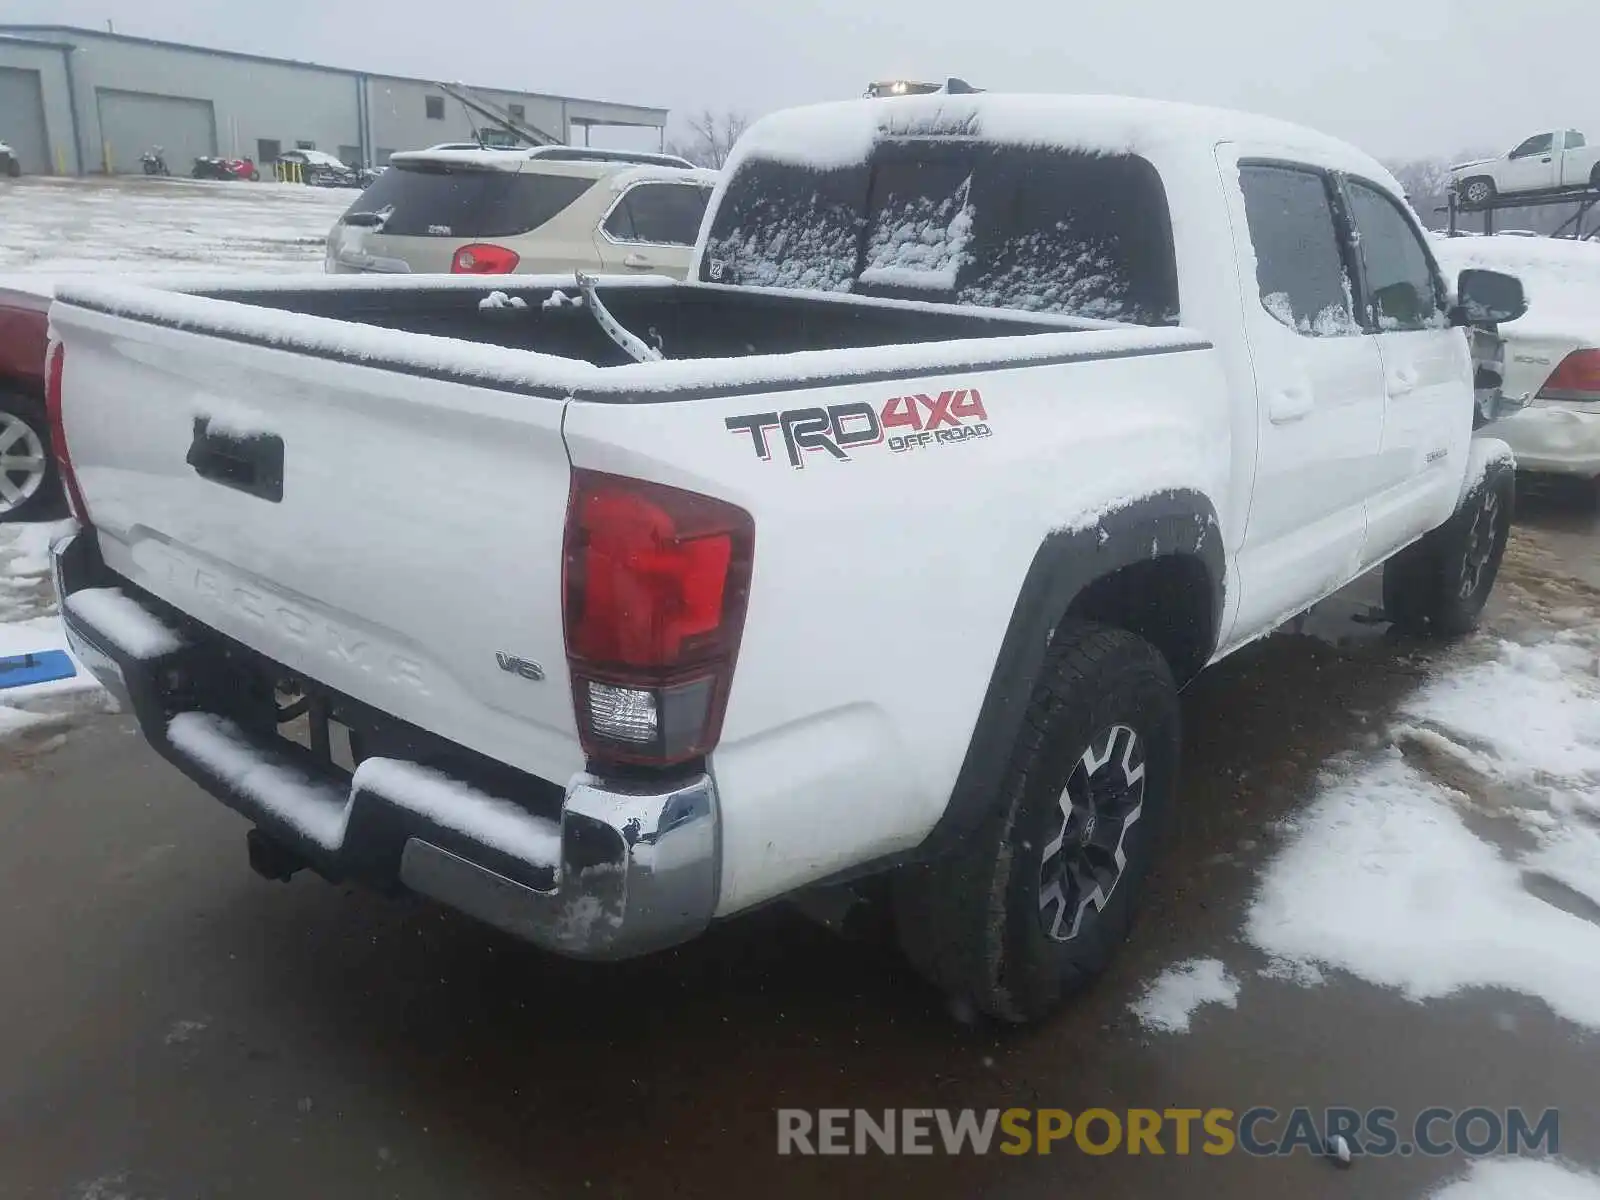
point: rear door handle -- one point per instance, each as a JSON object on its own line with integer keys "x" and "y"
{"x": 1402, "y": 381}
{"x": 637, "y": 261}
{"x": 251, "y": 463}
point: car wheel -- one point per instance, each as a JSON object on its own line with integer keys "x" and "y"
{"x": 1439, "y": 585}
{"x": 13, "y": 168}
{"x": 1594, "y": 177}
{"x": 29, "y": 488}
{"x": 1033, "y": 905}
{"x": 1478, "y": 191}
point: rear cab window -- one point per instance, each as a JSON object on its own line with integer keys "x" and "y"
{"x": 433, "y": 199}
{"x": 993, "y": 226}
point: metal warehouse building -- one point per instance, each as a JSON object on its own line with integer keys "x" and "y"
{"x": 78, "y": 101}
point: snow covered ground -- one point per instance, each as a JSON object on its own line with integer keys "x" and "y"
{"x": 1521, "y": 1179}
{"x": 29, "y": 623}
{"x": 1461, "y": 852}
{"x": 100, "y": 226}
{"x": 57, "y": 227}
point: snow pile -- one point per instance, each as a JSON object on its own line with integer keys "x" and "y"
{"x": 1521, "y": 1179}
{"x": 501, "y": 300}
{"x": 1170, "y": 1001}
{"x": 29, "y": 623}
{"x": 1387, "y": 875}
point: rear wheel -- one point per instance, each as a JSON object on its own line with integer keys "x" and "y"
{"x": 1440, "y": 585}
{"x": 1478, "y": 190}
{"x": 13, "y": 168}
{"x": 29, "y": 488}
{"x": 1033, "y": 905}
{"x": 1594, "y": 177}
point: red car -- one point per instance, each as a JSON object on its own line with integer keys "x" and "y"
{"x": 29, "y": 486}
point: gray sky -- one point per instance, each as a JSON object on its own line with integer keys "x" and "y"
{"x": 1397, "y": 77}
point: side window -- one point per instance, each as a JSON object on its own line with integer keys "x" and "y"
{"x": 1299, "y": 268}
{"x": 663, "y": 214}
{"x": 1575, "y": 140}
{"x": 1538, "y": 144}
{"x": 1400, "y": 276}
{"x": 433, "y": 106}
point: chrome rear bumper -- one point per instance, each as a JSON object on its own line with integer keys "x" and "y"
{"x": 629, "y": 868}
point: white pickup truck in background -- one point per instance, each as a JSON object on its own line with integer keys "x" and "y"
{"x": 983, "y": 424}
{"x": 1558, "y": 161}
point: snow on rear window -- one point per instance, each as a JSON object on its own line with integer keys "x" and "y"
{"x": 788, "y": 227}
{"x": 920, "y": 241}
{"x": 1039, "y": 229}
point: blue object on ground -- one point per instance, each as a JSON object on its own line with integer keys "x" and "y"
{"x": 42, "y": 666}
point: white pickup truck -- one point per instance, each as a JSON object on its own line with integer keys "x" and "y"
{"x": 1558, "y": 161}
{"x": 879, "y": 549}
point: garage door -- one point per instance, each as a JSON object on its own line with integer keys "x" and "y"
{"x": 133, "y": 122}
{"x": 22, "y": 119}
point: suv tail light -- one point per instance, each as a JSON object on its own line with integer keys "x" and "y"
{"x": 481, "y": 258}
{"x": 1577, "y": 377}
{"x": 655, "y": 581}
{"x": 55, "y": 364}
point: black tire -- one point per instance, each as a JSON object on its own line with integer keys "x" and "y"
{"x": 42, "y": 498}
{"x": 13, "y": 168}
{"x": 1439, "y": 585}
{"x": 983, "y": 922}
{"x": 1477, "y": 191}
{"x": 1594, "y": 177}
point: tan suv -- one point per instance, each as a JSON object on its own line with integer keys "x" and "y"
{"x": 476, "y": 211}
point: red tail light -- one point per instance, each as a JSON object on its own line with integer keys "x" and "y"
{"x": 655, "y": 581}
{"x": 1576, "y": 378}
{"x": 481, "y": 258}
{"x": 55, "y": 364}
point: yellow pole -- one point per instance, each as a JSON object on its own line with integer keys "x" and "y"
{"x": 105, "y": 154}
{"x": 61, "y": 161}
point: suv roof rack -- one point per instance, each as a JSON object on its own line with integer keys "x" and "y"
{"x": 593, "y": 154}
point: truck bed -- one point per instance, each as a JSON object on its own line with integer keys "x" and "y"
{"x": 714, "y": 339}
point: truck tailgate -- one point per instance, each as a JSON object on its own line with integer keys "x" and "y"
{"x": 393, "y": 537}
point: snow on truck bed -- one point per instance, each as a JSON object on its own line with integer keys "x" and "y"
{"x": 526, "y": 370}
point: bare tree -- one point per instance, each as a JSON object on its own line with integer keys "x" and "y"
{"x": 710, "y": 138}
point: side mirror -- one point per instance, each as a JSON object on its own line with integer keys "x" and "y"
{"x": 1488, "y": 298}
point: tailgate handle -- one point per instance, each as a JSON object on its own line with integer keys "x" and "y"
{"x": 247, "y": 462}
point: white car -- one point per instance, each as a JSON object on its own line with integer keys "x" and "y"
{"x": 1552, "y": 355}
{"x": 9, "y": 164}
{"x": 881, "y": 547}
{"x": 478, "y": 211}
{"x": 1557, "y": 161}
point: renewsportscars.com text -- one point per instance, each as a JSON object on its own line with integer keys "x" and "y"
{"x": 1259, "y": 1132}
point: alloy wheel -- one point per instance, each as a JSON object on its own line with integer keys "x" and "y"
{"x": 1086, "y": 858}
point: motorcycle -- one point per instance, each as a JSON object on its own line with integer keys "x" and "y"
{"x": 209, "y": 167}
{"x": 155, "y": 162}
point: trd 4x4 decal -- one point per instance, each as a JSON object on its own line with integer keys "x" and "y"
{"x": 957, "y": 415}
